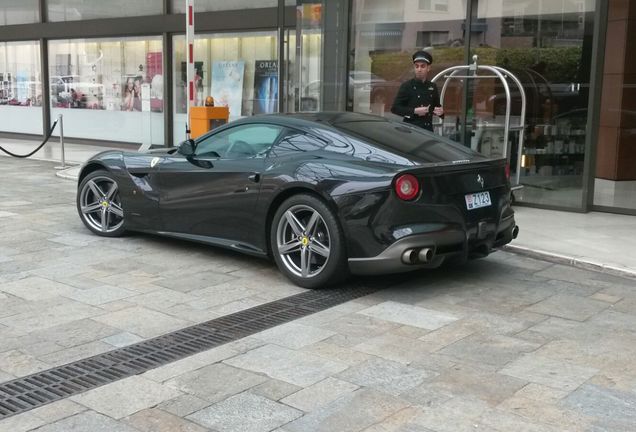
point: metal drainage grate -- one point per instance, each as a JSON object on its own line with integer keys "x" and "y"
{"x": 27, "y": 393}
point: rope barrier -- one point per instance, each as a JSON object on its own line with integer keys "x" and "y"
{"x": 37, "y": 149}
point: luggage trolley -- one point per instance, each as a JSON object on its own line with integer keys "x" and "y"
{"x": 495, "y": 72}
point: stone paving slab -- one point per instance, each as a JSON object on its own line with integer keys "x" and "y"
{"x": 606, "y": 405}
{"x": 569, "y": 307}
{"x": 493, "y": 350}
{"x": 352, "y": 412}
{"x": 294, "y": 336}
{"x": 216, "y": 382}
{"x": 22, "y": 423}
{"x": 17, "y": 363}
{"x": 386, "y": 376}
{"x": 245, "y": 413}
{"x": 294, "y": 367}
{"x": 409, "y": 315}
{"x": 552, "y": 373}
{"x": 87, "y": 421}
{"x": 156, "y": 420}
{"x": 141, "y": 321}
{"x": 276, "y": 390}
{"x": 125, "y": 397}
{"x": 467, "y": 380}
{"x": 191, "y": 363}
{"x": 58, "y": 410}
{"x": 396, "y": 348}
{"x": 183, "y": 405}
{"x": 556, "y": 416}
{"x": 319, "y": 394}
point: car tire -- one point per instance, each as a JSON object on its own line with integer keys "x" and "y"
{"x": 308, "y": 243}
{"x": 99, "y": 204}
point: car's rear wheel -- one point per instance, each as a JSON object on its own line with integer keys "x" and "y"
{"x": 99, "y": 204}
{"x": 308, "y": 243}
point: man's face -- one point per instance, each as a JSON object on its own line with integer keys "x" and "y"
{"x": 421, "y": 69}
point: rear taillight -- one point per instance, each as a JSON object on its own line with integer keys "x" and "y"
{"x": 507, "y": 171}
{"x": 407, "y": 187}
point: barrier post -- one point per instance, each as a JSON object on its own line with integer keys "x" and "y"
{"x": 60, "y": 124}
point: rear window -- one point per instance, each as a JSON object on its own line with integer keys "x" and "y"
{"x": 409, "y": 140}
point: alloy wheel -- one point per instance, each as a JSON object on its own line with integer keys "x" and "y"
{"x": 303, "y": 240}
{"x": 100, "y": 205}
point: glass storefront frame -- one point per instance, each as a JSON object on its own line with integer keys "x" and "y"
{"x": 283, "y": 20}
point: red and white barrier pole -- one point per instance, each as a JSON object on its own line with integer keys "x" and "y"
{"x": 190, "y": 88}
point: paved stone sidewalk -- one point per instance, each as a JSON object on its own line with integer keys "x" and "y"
{"x": 505, "y": 343}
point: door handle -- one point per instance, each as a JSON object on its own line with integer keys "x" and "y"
{"x": 256, "y": 177}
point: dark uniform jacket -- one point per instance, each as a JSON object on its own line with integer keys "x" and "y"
{"x": 412, "y": 94}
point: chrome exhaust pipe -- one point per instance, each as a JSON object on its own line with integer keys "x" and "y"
{"x": 515, "y": 232}
{"x": 425, "y": 255}
{"x": 409, "y": 256}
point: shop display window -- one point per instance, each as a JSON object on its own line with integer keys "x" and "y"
{"x": 20, "y": 87}
{"x": 109, "y": 88}
{"x": 239, "y": 71}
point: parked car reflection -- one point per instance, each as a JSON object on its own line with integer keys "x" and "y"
{"x": 359, "y": 86}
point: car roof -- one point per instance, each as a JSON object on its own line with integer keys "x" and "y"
{"x": 313, "y": 119}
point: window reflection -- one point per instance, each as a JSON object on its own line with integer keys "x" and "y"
{"x": 20, "y": 87}
{"x": 73, "y": 10}
{"x": 178, "y": 6}
{"x": 384, "y": 37}
{"x": 238, "y": 70}
{"x": 108, "y": 89}
{"x": 19, "y": 12}
{"x": 547, "y": 45}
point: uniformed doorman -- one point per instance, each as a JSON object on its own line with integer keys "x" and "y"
{"x": 418, "y": 99}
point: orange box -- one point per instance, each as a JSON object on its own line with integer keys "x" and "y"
{"x": 204, "y": 119}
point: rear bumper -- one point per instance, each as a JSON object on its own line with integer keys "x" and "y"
{"x": 449, "y": 242}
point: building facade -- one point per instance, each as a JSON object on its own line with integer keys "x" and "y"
{"x": 116, "y": 71}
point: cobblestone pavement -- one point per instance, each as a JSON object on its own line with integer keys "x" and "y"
{"x": 500, "y": 344}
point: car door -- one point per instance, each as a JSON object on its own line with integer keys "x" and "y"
{"x": 213, "y": 193}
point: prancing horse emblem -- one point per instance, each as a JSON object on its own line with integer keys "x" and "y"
{"x": 480, "y": 180}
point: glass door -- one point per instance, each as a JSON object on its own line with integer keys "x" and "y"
{"x": 303, "y": 54}
{"x": 547, "y": 44}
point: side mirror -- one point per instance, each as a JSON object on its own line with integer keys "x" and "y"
{"x": 187, "y": 148}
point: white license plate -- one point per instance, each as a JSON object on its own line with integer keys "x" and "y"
{"x": 477, "y": 200}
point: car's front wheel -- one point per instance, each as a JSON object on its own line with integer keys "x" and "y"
{"x": 99, "y": 204}
{"x": 308, "y": 243}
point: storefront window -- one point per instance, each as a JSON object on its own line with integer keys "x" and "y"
{"x": 238, "y": 70}
{"x": 20, "y": 87}
{"x": 73, "y": 10}
{"x": 547, "y": 44}
{"x": 384, "y": 37}
{"x": 178, "y": 6}
{"x": 19, "y": 12}
{"x": 108, "y": 89}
